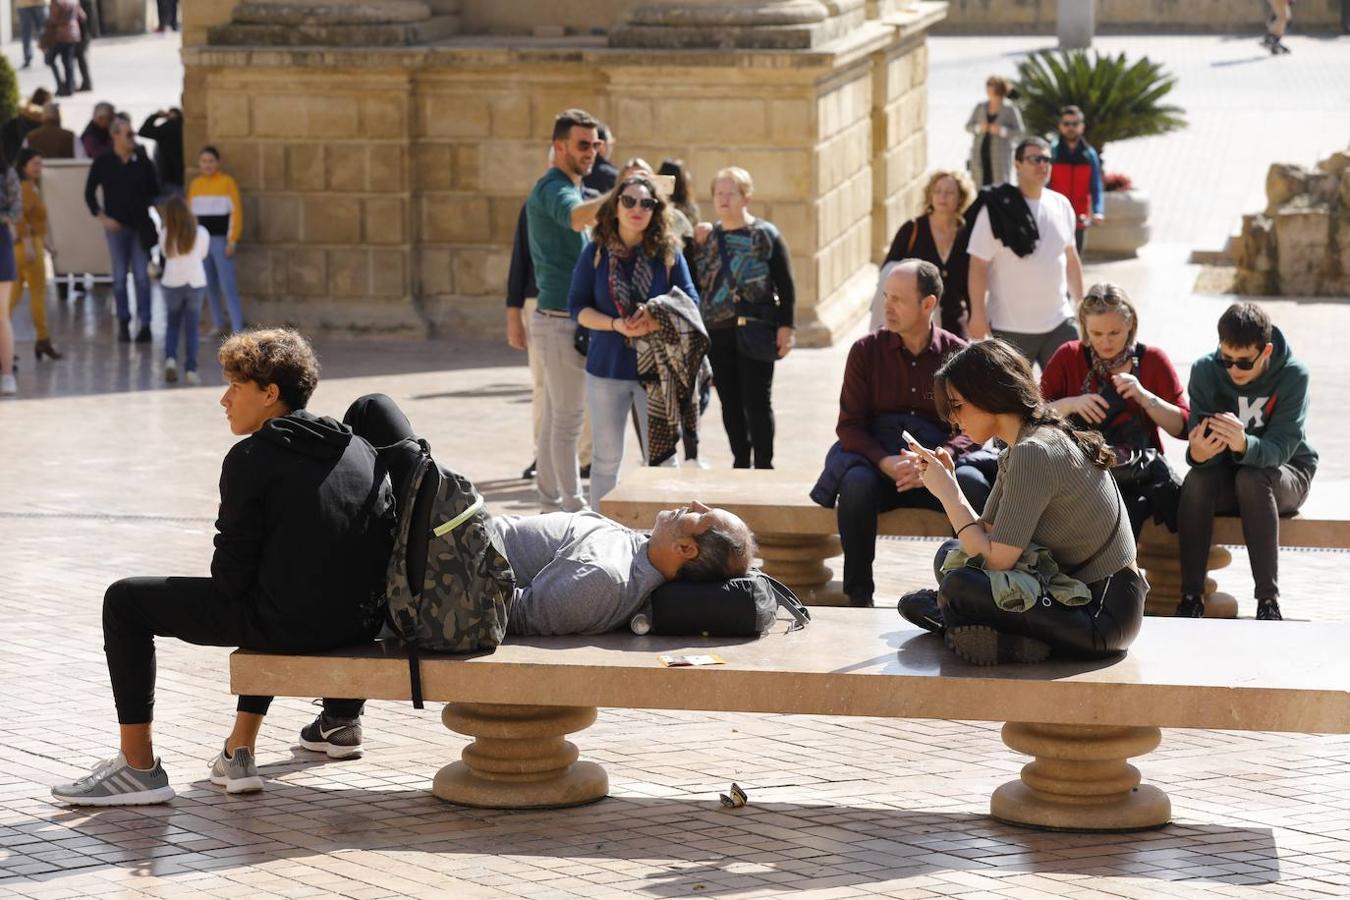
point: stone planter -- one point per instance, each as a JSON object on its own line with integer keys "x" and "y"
{"x": 1125, "y": 228}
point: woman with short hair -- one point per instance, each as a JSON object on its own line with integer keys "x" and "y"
{"x": 633, "y": 256}
{"x": 995, "y": 125}
{"x": 938, "y": 235}
{"x": 1054, "y": 504}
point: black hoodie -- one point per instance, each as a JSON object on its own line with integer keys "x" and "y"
{"x": 305, "y": 531}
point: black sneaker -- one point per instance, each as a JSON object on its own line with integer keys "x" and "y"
{"x": 339, "y": 738}
{"x": 861, "y": 602}
{"x": 921, "y": 608}
{"x": 1269, "y": 610}
{"x": 143, "y": 335}
{"x": 124, "y": 332}
{"x": 585, "y": 471}
{"x": 983, "y": 645}
{"x": 1192, "y": 606}
{"x": 530, "y": 470}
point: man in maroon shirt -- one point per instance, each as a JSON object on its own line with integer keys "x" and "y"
{"x": 888, "y": 386}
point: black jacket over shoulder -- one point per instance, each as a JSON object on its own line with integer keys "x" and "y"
{"x": 305, "y": 531}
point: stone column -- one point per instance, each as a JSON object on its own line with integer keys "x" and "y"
{"x": 739, "y": 24}
{"x": 1075, "y": 23}
{"x": 336, "y": 23}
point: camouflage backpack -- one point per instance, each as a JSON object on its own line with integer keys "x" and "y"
{"x": 449, "y": 586}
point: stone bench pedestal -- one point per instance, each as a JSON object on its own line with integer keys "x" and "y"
{"x": 519, "y": 759}
{"x": 1160, "y": 558}
{"x": 1080, "y": 780}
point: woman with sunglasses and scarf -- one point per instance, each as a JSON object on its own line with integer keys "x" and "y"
{"x": 633, "y": 256}
{"x": 1112, "y": 383}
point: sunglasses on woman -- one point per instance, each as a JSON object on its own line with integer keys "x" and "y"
{"x": 629, "y": 201}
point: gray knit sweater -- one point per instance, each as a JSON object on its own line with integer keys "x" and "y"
{"x": 1001, "y": 146}
{"x": 1049, "y": 493}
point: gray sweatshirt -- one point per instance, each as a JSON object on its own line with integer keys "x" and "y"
{"x": 576, "y": 573}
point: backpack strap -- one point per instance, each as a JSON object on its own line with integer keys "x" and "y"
{"x": 415, "y": 674}
{"x": 788, "y": 600}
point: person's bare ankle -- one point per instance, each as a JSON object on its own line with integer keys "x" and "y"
{"x": 140, "y": 760}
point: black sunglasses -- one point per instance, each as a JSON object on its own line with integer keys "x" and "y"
{"x": 629, "y": 201}
{"x": 1071, "y": 123}
{"x": 1037, "y": 160}
{"x": 1245, "y": 365}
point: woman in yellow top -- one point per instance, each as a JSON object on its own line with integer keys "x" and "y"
{"x": 214, "y": 198}
{"x": 30, "y": 251}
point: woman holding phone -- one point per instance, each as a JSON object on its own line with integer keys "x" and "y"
{"x": 633, "y": 256}
{"x": 1055, "y": 494}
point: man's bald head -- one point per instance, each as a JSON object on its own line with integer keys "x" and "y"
{"x": 912, "y": 289}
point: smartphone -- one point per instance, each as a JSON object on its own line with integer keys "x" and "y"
{"x": 909, "y": 439}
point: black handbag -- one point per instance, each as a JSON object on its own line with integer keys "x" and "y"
{"x": 582, "y": 340}
{"x": 737, "y": 607}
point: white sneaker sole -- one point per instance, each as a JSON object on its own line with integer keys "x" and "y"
{"x": 333, "y": 750}
{"x": 250, "y": 785}
{"x": 140, "y": 798}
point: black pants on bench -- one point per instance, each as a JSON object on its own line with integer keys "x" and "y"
{"x": 137, "y": 610}
{"x": 1104, "y": 626}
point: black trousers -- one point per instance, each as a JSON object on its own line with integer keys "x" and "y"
{"x": 745, "y": 387}
{"x": 137, "y": 610}
{"x": 1104, "y": 626}
{"x": 865, "y": 494}
{"x": 1260, "y": 497}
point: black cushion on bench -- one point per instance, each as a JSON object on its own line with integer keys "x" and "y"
{"x": 737, "y": 607}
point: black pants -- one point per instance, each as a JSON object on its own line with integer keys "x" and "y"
{"x": 1260, "y": 497}
{"x": 168, "y": 13}
{"x": 137, "y": 610}
{"x": 63, "y": 55}
{"x": 745, "y": 387}
{"x": 1104, "y": 626}
{"x": 866, "y": 493}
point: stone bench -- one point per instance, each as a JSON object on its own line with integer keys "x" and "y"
{"x": 1081, "y": 721}
{"x": 796, "y": 535}
{"x": 1322, "y": 524}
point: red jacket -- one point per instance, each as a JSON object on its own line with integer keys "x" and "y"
{"x": 1077, "y": 174}
{"x": 1063, "y": 377}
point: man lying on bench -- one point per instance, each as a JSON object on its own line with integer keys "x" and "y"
{"x": 303, "y": 539}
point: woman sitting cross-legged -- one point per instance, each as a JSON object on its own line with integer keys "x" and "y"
{"x": 1049, "y": 567}
{"x": 303, "y": 537}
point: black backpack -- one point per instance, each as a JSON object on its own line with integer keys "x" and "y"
{"x": 449, "y": 586}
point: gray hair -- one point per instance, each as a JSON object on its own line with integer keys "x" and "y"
{"x": 721, "y": 555}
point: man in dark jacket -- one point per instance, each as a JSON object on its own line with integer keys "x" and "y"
{"x": 130, "y": 187}
{"x": 1076, "y": 172}
{"x": 50, "y": 139}
{"x": 304, "y": 533}
{"x": 165, "y": 128}
{"x": 96, "y": 139}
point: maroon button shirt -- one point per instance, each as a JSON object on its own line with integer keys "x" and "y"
{"x": 882, "y": 376}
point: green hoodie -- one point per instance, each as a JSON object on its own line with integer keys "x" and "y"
{"x": 1273, "y": 408}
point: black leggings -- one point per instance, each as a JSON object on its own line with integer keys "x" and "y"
{"x": 136, "y": 610}
{"x": 745, "y": 388}
{"x": 1104, "y": 626}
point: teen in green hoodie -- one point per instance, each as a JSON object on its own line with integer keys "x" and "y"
{"x": 1248, "y": 452}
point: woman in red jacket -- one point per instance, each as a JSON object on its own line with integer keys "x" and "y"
{"x": 1131, "y": 393}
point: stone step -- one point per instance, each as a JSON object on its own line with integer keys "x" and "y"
{"x": 383, "y": 34}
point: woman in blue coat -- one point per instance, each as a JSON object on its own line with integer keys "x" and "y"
{"x": 633, "y": 256}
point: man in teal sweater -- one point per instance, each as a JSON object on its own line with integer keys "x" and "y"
{"x": 1248, "y": 452}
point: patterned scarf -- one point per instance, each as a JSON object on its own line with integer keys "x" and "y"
{"x": 672, "y": 363}
{"x": 628, "y": 291}
{"x": 1101, "y": 370}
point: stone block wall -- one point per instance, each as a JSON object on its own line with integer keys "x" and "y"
{"x": 1148, "y": 16}
{"x": 382, "y": 187}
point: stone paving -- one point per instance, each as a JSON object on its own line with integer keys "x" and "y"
{"x": 110, "y": 473}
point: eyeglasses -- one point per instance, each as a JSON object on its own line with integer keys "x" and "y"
{"x": 629, "y": 201}
{"x": 1246, "y": 365}
{"x": 1037, "y": 160}
{"x": 1071, "y": 123}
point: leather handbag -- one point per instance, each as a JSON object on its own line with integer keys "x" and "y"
{"x": 737, "y": 607}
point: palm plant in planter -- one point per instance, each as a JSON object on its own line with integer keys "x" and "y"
{"x": 1120, "y": 100}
